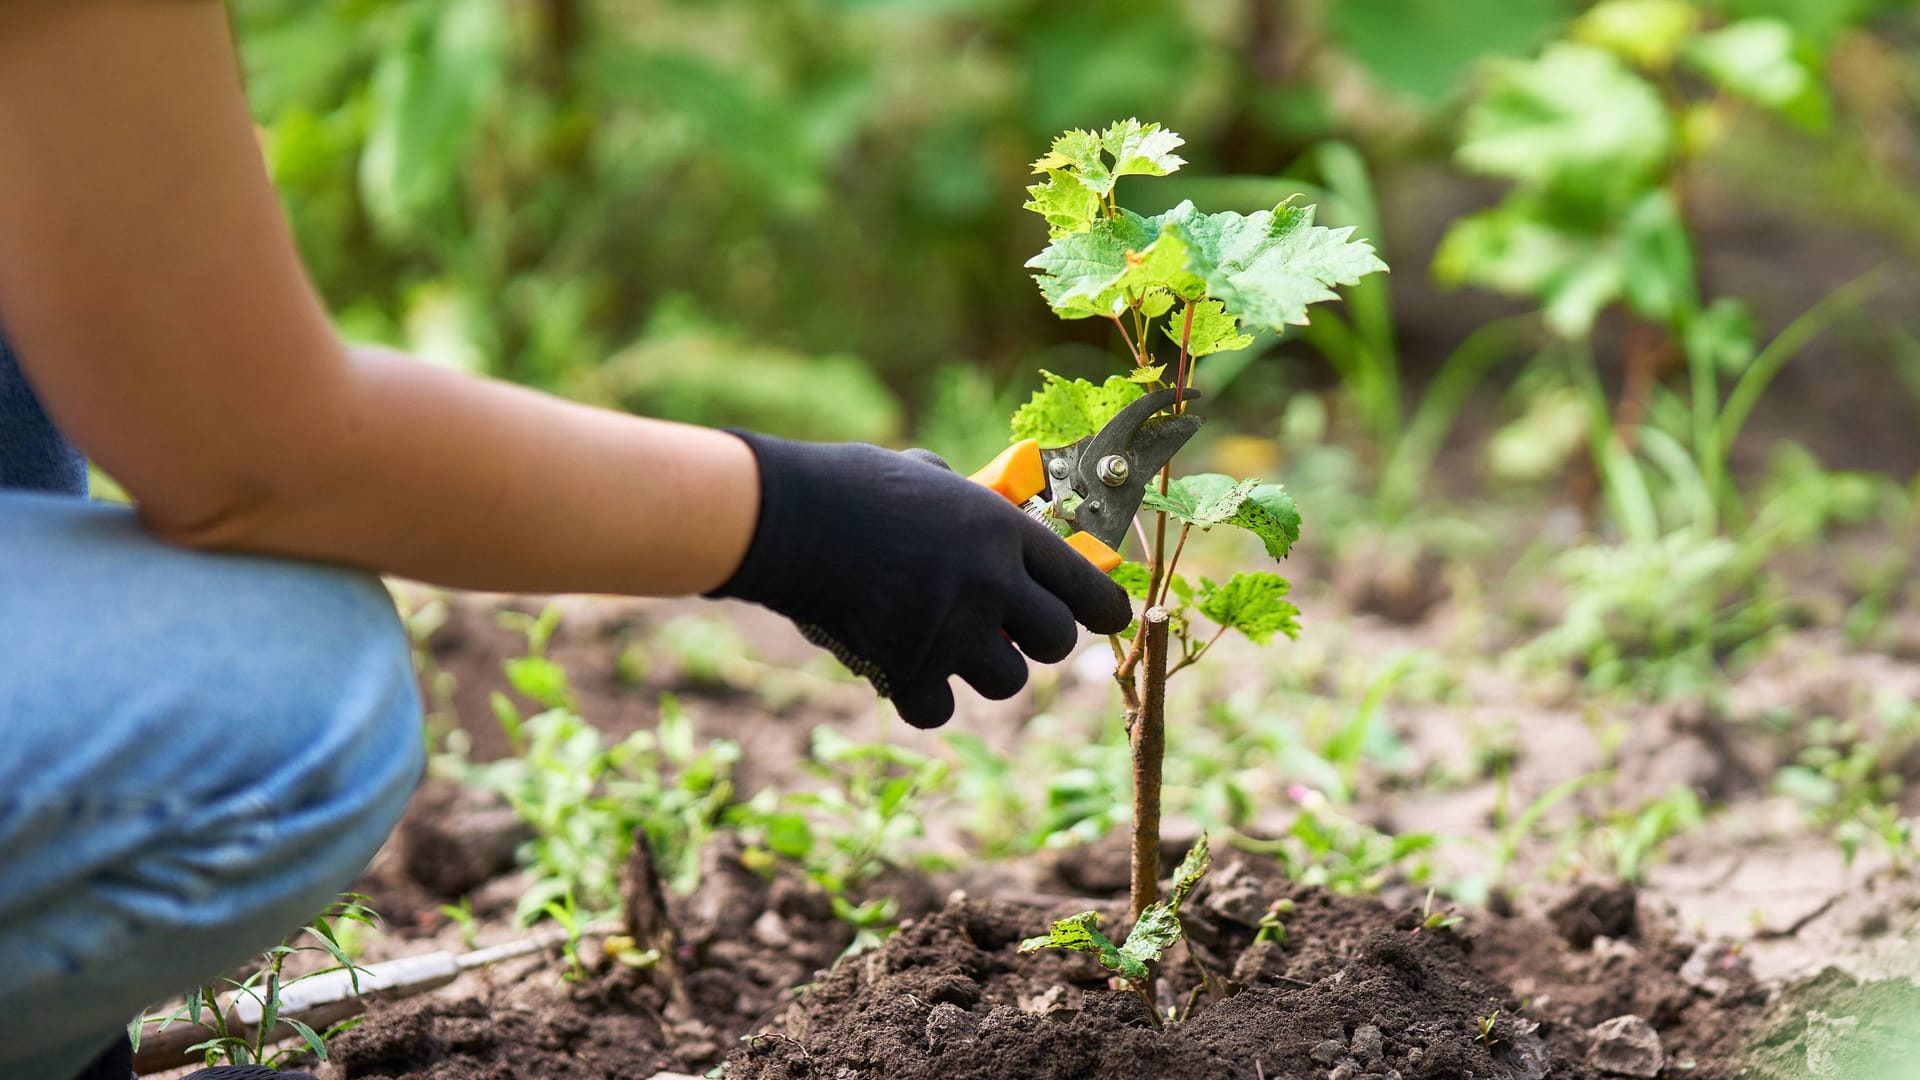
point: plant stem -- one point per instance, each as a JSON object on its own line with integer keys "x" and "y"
{"x": 1138, "y": 360}
{"x": 1180, "y": 372}
{"x": 1146, "y": 545}
{"x": 1159, "y": 567}
{"x": 1149, "y": 747}
{"x": 1171, "y": 563}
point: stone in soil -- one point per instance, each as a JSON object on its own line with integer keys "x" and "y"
{"x": 1627, "y": 1046}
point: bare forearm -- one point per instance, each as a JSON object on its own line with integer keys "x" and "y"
{"x": 442, "y": 477}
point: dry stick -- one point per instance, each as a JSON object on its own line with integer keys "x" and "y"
{"x": 1149, "y": 747}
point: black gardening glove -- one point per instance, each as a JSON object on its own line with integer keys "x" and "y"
{"x": 909, "y": 573}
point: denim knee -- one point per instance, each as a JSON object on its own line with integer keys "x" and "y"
{"x": 348, "y": 748}
{"x": 201, "y": 751}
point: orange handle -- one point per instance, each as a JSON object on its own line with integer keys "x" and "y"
{"x": 1017, "y": 475}
{"x": 1097, "y": 553}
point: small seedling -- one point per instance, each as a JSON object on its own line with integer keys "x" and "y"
{"x": 463, "y": 916}
{"x": 1437, "y": 920}
{"x": 873, "y": 923}
{"x": 1486, "y": 1026}
{"x": 265, "y": 988}
{"x": 1153, "y": 932}
{"x": 565, "y": 912}
{"x": 1271, "y": 927}
{"x": 584, "y": 795}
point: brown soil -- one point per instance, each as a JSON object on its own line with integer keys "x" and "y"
{"x": 1704, "y": 953}
{"x": 1358, "y": 989}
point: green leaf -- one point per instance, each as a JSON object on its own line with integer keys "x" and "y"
{"x": 1760, "y": 60}
{"x": 1156, "y": 929}
{"x": 1204, "y": 500}
{"x": 1133, "y": 577}
{"x": 1078, "y": 933}
{"x": 1159, "y": 925}
{"x": 1191, "y": 869}
{"x": 1078, "y": 154}
{"x": 1068, "y": 205}
{"x": 1424, "y": 47}
{"x": 1523, "y": 247}
{"x": 1142, "y": 149}
{"x": 540, "y": 679}
{"x": 1148, "y": 375}
{"x": 1064, "y": 411}
{"x": 1080, "y": 272}
{"x": 1575, "y": 118}
{"x": 1723, "y": 335}
{"x": 1650, "y": 33}
{"x": 427, "y": 98}
{"x": 1265, "y": 268}
{"x": 1269, "y": 267}
{"x": 309, "y": 1036}
{"x": 1252, "y": 603}
{"x": 1136, "y": 149}
{"x": 1214, "y": 330}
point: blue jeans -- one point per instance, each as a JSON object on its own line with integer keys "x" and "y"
{"x": 197, "y": 752}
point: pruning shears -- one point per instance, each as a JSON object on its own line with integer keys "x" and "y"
{"x": 1095, "y": 486}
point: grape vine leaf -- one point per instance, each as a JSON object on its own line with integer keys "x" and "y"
{"x": 1080, "y": 272}
{"x": 1142, "y": 149}
{"x": 1133, "y": 577}
{"x": 1157, "y": 928}
{"x": 1078, "y": 154}
{"x": 1252, "y": 603}
{"x": 1650, "y": 33}
{"x": 1269, "y": 267}
{"x": 1576, "y": 117}
{"x": 1136, "y": 576}
{"x": 1148, "y": 374}
{"x": 1191, "y": 869}
{"x": 1204, "y": 500}
{"x": 1159, "y": 925}
{"x": 1762, "y": 61}
{"x": 1265, "y": 268}
{"x": 1136, "y": 149}
{"x": 1079, "y": 933}
{"x": 1068, "y": 205}
{"x": 1214, "y": 330}
{"x": 1064, "y": 411}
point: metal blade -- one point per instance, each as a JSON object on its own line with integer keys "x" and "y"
{"x": 1112, "y": 468}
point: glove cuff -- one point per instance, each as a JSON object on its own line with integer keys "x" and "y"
{"x": 751, "y": 579}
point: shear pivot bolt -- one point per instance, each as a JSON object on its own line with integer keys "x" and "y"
{"x": 1057, "y": 468}
{"x": 1112, "y": 470}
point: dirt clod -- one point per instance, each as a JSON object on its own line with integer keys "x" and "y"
{"x": 1597, "y": 910}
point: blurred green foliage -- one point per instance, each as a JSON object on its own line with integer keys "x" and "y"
{"x": 519, "y": 188}
{"x": 516, "y": 187}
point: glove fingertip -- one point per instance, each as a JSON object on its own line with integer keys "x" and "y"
{"x": 925, "y": 705}
{"x": 1115, "y": 613}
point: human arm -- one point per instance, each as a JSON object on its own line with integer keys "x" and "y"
{"x": 163, "y": 316}
{"x": 150, "y": 284}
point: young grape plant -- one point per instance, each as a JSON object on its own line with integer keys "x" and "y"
{"x": 1178, "y": 287}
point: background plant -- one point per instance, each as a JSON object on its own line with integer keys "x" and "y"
{"x": 585, "y": 796}
{"x": 210, "y": 1007}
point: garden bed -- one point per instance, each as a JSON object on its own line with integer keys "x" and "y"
{"x": 1721, "y": 953}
